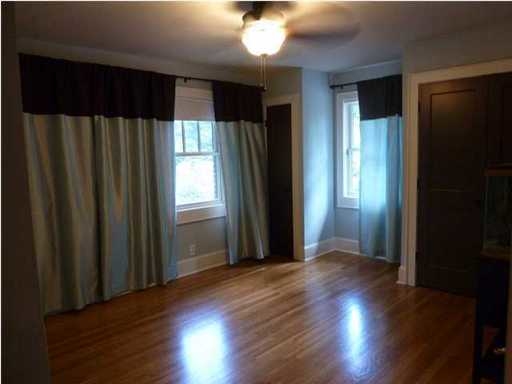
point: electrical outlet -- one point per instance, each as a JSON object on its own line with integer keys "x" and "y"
{"x": 192, "y": 250}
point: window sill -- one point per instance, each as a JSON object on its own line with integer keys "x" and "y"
{"x": 354, "y": 207}
{"x": 347, "y": 203}
{"x": 201, "y": 213}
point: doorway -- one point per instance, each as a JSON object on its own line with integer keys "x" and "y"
{"x": 279, "y": 147}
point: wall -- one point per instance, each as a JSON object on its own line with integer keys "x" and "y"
{"x": 284, "y": 81}
{"x": 476, "y": 45}
{"x": 318, "y": 161}
{"x": 347, "y": 219}
{"x": 24, "y": 354}
{"x": 208, "y": 236}
{"x": 367, "y": 72}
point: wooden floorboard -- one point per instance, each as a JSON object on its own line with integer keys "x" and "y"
{"x": 338, "y": 319}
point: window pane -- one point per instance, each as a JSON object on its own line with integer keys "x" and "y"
{"x": 196, "y": 179}
{"x": 178, "y": 137}
{"x": 353, "y": 176}
{"x": 355, "y": 139}
{"x": 205, "y": 131}
{"x": 191, "y": 138}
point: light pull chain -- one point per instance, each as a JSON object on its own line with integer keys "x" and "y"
{"x": 263, "y": 72}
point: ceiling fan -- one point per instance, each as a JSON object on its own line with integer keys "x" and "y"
{"x": 267, "y": 25}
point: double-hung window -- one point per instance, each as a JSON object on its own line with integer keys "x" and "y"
{"x": 348, "y": 149}
{"x": 199, "y": 193}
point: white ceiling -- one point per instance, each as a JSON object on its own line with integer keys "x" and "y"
{"x": 209, "y": 32}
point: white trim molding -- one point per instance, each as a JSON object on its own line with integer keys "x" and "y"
{"x": 412, "y": 81}
{"x": 339, "y": 244}
{"x": 297, "y": 177}
{"x": 200, "y": 213}
{"x": 344, "y": 245}
{"x": 192, "y": 265}
{"x": 343, "y": 131}
{"x": 312, "y": 251}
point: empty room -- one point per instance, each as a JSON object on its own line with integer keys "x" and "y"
{"x": 256, "y": 192}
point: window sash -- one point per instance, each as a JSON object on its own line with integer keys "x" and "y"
{"x": 346, "y": 196}
{"x": 219, "y": 190}
{"x": 198, "y": 133}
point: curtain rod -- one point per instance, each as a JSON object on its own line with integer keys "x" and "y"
{"x": 341, "y": 85}
{"x": 187, "y": 78}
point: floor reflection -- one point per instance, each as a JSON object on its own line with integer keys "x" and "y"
{"x": 353, "y": 338}
{"x": 205, "y": 351}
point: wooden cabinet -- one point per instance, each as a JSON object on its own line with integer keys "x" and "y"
{"x": 491, "y": 311}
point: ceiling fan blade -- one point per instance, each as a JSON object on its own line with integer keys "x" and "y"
{"x": 337, "y": 37}
{"x": 322, "y": 21}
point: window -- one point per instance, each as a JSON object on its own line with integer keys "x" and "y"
{"x": 348, "y": 158}
{"x": 199, "y": 194}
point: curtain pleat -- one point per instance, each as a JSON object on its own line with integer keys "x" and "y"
{"x": 380, "y": 199}
{"x": 62, "y": 180}
{"x": 243, "y": 157}
{"x": 136, "y": 202}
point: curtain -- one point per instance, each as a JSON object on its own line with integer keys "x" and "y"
{"x": 380, "y": 199}
{"x": 242, "y": 140}
{"x": 101, "y": 171}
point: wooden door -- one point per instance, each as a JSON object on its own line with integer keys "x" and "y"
{"x": 499, "y": 143}
{"x": 452, "y": 150}
{"x": 279, "y": 136}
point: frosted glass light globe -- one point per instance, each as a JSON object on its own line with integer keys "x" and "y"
{"x": 263, "y": 37}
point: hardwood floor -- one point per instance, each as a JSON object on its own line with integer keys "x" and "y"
{"x": 338, "y": 319}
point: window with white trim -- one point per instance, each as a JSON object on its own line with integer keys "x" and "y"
{"x": 349, "y": 149}
{"x": 199, "y": 193}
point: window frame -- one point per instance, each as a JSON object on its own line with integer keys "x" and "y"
{"x": 343, "y": 133}
{"x": 205, "y": 210}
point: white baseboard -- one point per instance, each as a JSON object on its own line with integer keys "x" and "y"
{"x": 201, "y": 263}
{"x": 312, "y": 251}
{"x": 323, "y": 247}
{"x": 342, "y": 244}
{"x": 402, "y": 276}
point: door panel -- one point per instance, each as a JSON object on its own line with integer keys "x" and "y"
{"x": 280, "y": 179}
{"x": 499, "y": 142}
{"x": 452, "y": 160}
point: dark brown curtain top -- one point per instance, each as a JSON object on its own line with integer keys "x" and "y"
{"x": 236, "y": 102}
{"x": 56, "y": 86}
{"x": 380, "y": 98}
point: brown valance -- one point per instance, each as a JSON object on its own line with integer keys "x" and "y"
{"x": 56, "y": 86}
{"x": 237, "y": 102}
{"x": 380, "y": 98}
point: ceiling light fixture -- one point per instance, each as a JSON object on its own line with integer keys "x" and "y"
{"x": 263, "y": 37}
{"x": 263, "y": 34}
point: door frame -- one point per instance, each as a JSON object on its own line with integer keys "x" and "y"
{"x": 297, "y": 185}
{"x": 411, "y": 83}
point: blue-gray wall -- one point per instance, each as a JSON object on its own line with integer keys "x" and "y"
{"x": 318, "y": 161}
{"x": 208, "y": 236}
